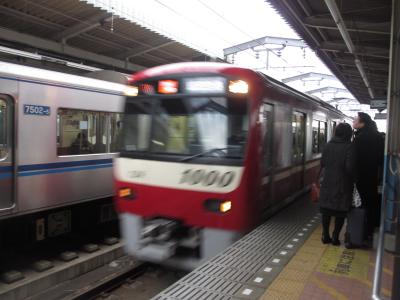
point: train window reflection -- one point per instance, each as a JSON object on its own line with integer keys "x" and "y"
{"x": 298, "y": 129}
{"x": 3, "y": 129}
{"x": 85, "y": 132}
{"x": 115, "y": 131}
{"x": 319, "y": 136}
{"x": 186, "y": 126}
{"x": 267, "y": 132}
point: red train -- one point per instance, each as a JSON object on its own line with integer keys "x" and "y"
{"x": 207, "y": 151}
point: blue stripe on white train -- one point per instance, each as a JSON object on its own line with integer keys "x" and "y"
{"x": 53, "y": 168}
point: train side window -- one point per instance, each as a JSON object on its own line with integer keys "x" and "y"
{"x": 115, "y": 131}
{"x": 299, "y": 134}
{"x": 315, "y": 133}
{"x": 322, "y": 138}
{"x": 267, "y": 132}
{"x": 319, "y": 136}
{"x": 334, "y": 124}
{"x": 81, "y": 132}
{"x": 3, "y": 129}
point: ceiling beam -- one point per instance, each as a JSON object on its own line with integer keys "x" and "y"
{"x": 368, "y": 65}
{"x": 357, "y": 26}
{"x": 30, "y": 18}
{"x": 48, "y": 45}
{"x": 54, "y": 26}
{"x": 136, "y": 52}
{"x": 82, "y": 27}
{"x": 373, "y": 75}
{"x": 378, "y": 52}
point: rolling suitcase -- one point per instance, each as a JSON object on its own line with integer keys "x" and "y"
{"x": 356, "y": 226}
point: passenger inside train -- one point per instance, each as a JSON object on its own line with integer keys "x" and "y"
{"x": 81, "y": 145}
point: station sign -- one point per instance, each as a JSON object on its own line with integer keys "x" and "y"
{"x": 381, "y": 116}
{"x": 379, "y": 104}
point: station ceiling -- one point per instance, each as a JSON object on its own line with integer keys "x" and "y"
{"x": 75, "y": 30}
{"x": 366, "y": 46}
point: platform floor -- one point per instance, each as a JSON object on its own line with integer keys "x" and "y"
{"x": 325, "y": 272}
{"x": 284, "y": 259}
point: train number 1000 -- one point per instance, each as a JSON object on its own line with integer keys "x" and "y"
{"x": 207, "y": 178}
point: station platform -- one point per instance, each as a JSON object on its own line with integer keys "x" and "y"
{"x": 284, "y": 259}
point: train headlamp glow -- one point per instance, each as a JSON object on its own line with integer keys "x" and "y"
{"x": 131, "y": 91}
{"x": 218, "y": 205}
{"x": 225, "y": 206}
{"x": 238, "y": 87}
{"x": 168, "y": 86}
{"x": 124, "y": 192}
{"x": 205, "y": 85}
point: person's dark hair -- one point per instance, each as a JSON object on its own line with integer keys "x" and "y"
{"x": 366, "y": 119}
{"x": 344, "y": 131}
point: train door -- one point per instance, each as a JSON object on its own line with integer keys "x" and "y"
{"x": 6, "y": 154}
{"x": 267, "y": 115}
{"x": 298, "y": 153}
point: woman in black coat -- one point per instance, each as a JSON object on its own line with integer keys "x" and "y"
{"x": 336, "y": 194}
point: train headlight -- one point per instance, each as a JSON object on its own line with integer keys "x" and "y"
{"x": 131, "y": 91}
{"x": 126, "y": 193}
{"x": 168, "y": 86}
{"x": 238, "y": 87}
{"x": 218, "y": 206}
{"x": 225, "y": 206}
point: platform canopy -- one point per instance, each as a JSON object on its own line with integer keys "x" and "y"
{"x": 351, "y": 37}
{"x": 76, "y": 31}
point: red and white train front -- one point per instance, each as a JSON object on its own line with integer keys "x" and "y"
{"x": 185, "y": 187}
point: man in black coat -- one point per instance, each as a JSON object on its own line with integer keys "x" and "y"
{"x": 369, "y": 147}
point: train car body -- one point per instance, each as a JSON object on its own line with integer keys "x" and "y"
{"x": 46, "y": 121}
{"x": 208, "y": 150}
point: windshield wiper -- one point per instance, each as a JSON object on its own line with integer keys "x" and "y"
{"x": 204, "y": 153}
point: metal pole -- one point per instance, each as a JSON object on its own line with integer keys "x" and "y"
{"x": 376, "y": 288}
{"x": 392, "y": 149}
{"x": 395, "y": 99}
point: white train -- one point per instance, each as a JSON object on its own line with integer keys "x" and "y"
{"x": 58, "y": 137}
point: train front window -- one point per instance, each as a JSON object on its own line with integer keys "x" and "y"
{"x": 186, "y": 126}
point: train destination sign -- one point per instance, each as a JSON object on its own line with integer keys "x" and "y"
{"x": 38, "y": 110}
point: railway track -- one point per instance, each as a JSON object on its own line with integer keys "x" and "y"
{"x": 109, "y": 283}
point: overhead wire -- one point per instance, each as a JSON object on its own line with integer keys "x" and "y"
{"x": 199, "y": 25}
{"x": 237, "y": 27}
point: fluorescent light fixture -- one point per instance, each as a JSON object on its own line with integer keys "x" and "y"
{"x": 36, "y": 56}
{"x": 20, "y": 53}
{"x": 82, "y": 67}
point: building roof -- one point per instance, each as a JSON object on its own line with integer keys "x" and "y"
{"x": 364, "y": 36}
{"x": 78, "y": 31}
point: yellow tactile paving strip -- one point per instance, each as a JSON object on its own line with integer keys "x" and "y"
{"x": 320, "y": 271}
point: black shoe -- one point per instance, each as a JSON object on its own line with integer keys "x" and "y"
{"x": 326, "y": 240}
{"x": 335, "y": 242}
{"x": 367, "y": 244}
{"x": 349, "y": 245}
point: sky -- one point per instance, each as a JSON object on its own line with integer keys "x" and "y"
{"x": 212, "y": 25}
